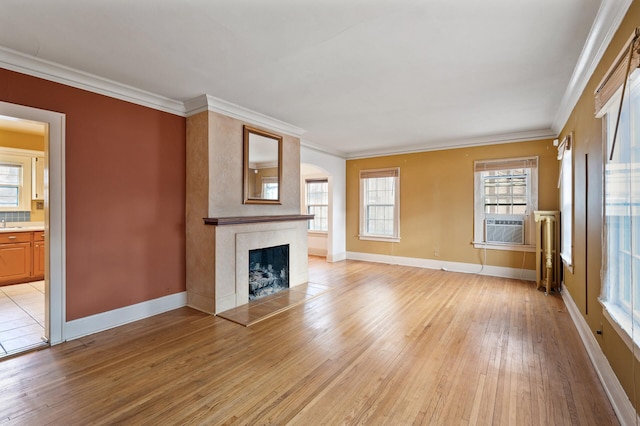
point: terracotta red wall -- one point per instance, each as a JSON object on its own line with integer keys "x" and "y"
{"x": 125, "y": 195}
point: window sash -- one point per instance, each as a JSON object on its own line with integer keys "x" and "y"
{"x": 10, "y": 184}
{"x": 317, "y": 201}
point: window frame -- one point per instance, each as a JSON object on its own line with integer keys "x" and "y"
{"x": 483, "y": 166}
{"x": 20, "y": 157}
{"x": 308, "y": 205}
{"x": 373, "y": 174}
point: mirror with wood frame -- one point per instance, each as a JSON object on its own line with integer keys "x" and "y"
{"x": 262, "y": 166}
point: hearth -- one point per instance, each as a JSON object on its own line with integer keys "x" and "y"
{"x": 268, "y": 271}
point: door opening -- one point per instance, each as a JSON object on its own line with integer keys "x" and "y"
{"x": 46, "y": 205}
{"x": 23, "y": 323}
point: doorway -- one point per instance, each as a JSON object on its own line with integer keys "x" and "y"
{"x": 51, "y": 260}
{"x": 23, "y": 325}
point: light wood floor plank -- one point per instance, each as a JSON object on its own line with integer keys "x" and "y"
{"x": 387, "y": 345}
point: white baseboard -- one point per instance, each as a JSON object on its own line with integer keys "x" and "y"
{"x": 337, "y": 257}
{"x": 612, "y": 387}
{"x": 106, "y": 320}
{"x": 469, "y": 268}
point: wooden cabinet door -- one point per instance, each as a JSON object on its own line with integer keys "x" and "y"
{"x": 38, "y": 260}
{"x": 15, "y": 262}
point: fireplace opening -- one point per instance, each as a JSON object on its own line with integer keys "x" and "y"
{"x": 268, "y": 271}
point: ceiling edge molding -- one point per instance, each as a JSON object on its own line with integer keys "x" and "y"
{"x": 51, "y": 71}
{"x": 608, "y": 19}
{"x": 460, "y": 143}
{"x": 323, "y": 149}
{"x": 211, "y": 103}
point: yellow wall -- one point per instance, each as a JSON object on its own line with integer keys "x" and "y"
{"x": 584, "y": 283}
{"x": 9, "y": 139}
{"x": 436, "y": 202}
{"x": 19, "y": 140}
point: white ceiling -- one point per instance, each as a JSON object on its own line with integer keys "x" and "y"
{"x": 360, "y": 76}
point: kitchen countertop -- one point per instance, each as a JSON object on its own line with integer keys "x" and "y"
{"x": 22, "y": 227}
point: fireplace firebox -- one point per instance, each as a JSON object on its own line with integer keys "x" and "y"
{"x": 268, "y": 271}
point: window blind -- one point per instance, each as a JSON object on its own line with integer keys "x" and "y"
{"x": 511, "y": 163}
{"x": 380, "y": 173}
{"x": 617, "y": 73}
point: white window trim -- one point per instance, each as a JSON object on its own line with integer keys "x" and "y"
{"x": 23, "y": 158}
{"x": 363, "y": 235}
{"x": 479, "y": 214}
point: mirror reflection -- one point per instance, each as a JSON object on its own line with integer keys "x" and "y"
{"x": 262, "y": 166}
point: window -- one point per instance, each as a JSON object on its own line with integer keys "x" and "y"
{"x": 565, "y": 182}
{"x": 380, "y": 204}
{"x": 621, "y": 253}
{"x": 317, "y": 201}
{"x": 270, "y": 188}
{"x": 10, "y": 184}
{"x": 506, "y": 194}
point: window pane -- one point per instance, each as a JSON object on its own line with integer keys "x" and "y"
{"x": 10, "y": 174}
{"x": 10, "y": 183}
{"x": 505, "y": 191}
{"x": 9, "y": 196}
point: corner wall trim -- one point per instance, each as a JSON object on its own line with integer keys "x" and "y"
{"x": 467, "y": 268}
{"x": 336, "y": 257}
{"x": 612, "y": 387}
{"x": 117, "y": 317}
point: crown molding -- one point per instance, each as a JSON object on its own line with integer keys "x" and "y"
{"x": 459, "y": 143}
{"x": 51, "y": 71}
{"x": 323, "y": 149}
{"x": 211, "y": 103}
{"x": 605, "y": 25}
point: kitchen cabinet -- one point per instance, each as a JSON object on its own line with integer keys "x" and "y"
{"x": 37, "y": 178}
{"x": 38, "y": 255}
{"x": 15, "y": 257}
{"x": 22, "y": 257}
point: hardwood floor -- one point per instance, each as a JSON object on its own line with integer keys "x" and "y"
{"x": 388, "y": 345}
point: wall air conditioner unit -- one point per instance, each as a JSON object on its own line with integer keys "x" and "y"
{"x": 504, "y": 229}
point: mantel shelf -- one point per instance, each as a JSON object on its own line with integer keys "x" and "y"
{"x": 239, "y": 220}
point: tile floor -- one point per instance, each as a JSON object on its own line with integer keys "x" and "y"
{"x": 21, "y": 317}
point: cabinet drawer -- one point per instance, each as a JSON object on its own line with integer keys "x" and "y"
{"x": 15, "y": 237}
{"x": 38, "y": 236}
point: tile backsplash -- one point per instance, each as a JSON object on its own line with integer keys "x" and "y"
{"x": 15, "y": 216}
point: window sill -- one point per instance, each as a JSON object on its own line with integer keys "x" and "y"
{"x": 621, "y": 324}
{"x": 379, "y": 238}
{"x": 508, "y": 247}
{"x": 317, "y": 233}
